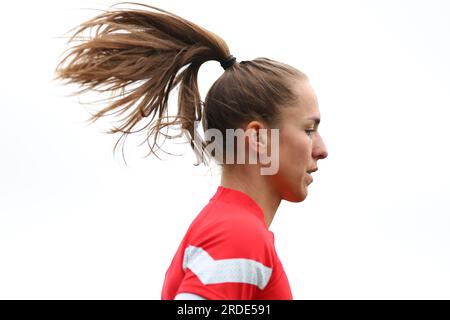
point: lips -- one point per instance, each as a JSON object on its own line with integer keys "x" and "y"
{"x": 312, "y": 170}
{"x": 309, "y": 174}
{"x": 310, "y": 180}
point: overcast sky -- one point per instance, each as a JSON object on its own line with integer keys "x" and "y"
{"x": 76, "y": 223}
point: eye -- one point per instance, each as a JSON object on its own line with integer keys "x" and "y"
{"x": 308, "y": 132}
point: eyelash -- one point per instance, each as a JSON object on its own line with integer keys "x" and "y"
{"x": 308, "y": 132}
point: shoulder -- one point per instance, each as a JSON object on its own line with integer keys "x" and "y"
{"x": 231, "y": 233}
{"x": 228, "y": 254}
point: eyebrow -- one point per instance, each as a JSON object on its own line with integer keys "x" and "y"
{"x": 316, "y": 120}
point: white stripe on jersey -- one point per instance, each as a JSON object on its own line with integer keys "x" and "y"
{"x": 188, "y": 296}
{"x": 211, "y": 271}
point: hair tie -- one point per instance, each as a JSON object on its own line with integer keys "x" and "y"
{"x": 228, "y": 62}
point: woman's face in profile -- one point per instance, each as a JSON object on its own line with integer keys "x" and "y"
{"x": 300, "y": 145}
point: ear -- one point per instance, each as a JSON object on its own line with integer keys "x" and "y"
{"x": 262, "y": 142}
{"x": 258, "y": 139}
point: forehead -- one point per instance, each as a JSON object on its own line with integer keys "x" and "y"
{"x": 306, "y": 106}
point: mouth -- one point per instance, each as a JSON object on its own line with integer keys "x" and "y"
{"x": 312, "y": 170}
{"x": 309, "y": 174}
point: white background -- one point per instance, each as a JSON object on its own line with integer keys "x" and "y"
{"x": 76, "y": 223}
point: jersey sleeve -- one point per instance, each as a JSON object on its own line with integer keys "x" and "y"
{"x": 231, "y": 260}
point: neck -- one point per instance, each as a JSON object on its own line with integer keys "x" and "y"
{"x": 255, "y": 185}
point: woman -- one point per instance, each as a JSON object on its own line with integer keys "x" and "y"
{"x": 228, "y": 251}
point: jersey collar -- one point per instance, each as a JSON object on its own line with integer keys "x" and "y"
{"x": 236, "y": 196}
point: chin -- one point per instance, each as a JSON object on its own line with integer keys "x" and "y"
{"x": 289, "y": 189}
{"x": 296, "y": 195}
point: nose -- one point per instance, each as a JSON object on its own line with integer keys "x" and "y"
{"x": 319, "y": 149}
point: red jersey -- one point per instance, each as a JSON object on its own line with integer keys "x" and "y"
{"x": 228, "y": 253}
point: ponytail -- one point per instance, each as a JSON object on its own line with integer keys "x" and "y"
{"x": 144, "y": 54}
{"x": 141, "y": 53}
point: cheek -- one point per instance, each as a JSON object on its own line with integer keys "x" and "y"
{"x": 295, "y": 152}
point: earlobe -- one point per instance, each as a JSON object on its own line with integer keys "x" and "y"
{"x": 258, "y": 138}
{"x": 262, "y": 142}
{"x": 254, "y": 136}
{"x": 254, "y": 146}
{"x": 253, "y": 141}
{"x": 262, "y": 134}
{"x": 258, "y": 141}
